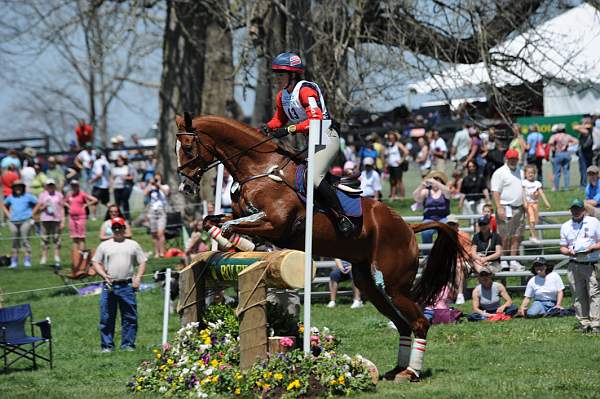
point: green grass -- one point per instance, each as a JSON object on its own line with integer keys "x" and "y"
{"x": 519, "y": 358}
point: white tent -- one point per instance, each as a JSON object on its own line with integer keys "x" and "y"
{"x": 563, "y": 52}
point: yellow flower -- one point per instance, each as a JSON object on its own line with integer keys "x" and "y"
{"x": 293, "y": 384}
{"x": 259, "y": 383}
{"x": 158, "y": 356}
{"x": 204, "y": 381}
{"x": 155, "y": 350}
{"x": 162, "y": 367}
{"x": 214, "y": 362}
{"x": 138, "y": 388}
{"x": 332, "y": 382}
{"x": 140, "y": 379}
{"x": 267, "y": 374}
{"x": 238, "y": 376}
{"x": 215, "y": 379}
{"x": 342, "y": 380}
{"x": 180, "y": 379}
{"x": 301, "y": 329}
{"x": 266, "y": 386}
{"x": 278, "y": 376}
{"x": 207, "y": 341}
{"x": 237, "y": 391}
{"x": 170, "y": 362}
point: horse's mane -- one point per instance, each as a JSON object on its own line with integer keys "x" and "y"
{"x": 254, "y": 133}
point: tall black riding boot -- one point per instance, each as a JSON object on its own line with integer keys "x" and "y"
{"x": 327, "y": 192}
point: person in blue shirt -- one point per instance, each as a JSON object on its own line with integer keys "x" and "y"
{"x": 18, "y": 208}
{"x": 11, "y": 158}
{"x": 367, "y": 151}
{"x": 592, "y": 192}
{"x": 533, "y": 138}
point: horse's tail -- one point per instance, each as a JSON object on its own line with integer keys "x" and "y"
{"x": 439, "y": 269}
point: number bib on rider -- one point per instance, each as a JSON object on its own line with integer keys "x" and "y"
{"x": 292, "y": 106}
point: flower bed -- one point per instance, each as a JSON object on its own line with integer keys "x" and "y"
{"x": 204, "y": 363}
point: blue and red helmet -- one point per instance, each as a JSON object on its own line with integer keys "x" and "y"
{"x": 288, "y": 62}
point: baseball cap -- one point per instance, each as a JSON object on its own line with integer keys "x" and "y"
{"x": 50, "y": 181}
{"x": 593, "y": 169}
{"x": 512, "y": 154}
{"x": 117, "y": 222}
{"x": 368, "y": 161}
{"x": 74, "y": 182}
{"x": 483, "y": 220}
{"x": 486, "y": 271}
{"x": 452, "y": 219}
{"x": 576, "y": 203}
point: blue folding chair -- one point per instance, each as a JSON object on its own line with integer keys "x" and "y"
{"x": 14, "y": 340}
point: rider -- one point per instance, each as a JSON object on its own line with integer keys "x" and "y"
{"x": 299, "y": 101}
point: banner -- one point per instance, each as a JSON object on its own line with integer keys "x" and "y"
{"x": 545, "y": 124}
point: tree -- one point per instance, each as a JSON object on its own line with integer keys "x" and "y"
{"x": 197, "y": 75}
{"x": 93, "y": 49}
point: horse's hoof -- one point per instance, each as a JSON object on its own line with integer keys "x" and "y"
{"x": 406, "y": 376}
{"x": 391, "y": 375}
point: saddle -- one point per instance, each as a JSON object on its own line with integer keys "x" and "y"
{"x": 347, "y": 190}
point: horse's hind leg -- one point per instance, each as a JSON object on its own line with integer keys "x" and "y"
{"x": 419, "y": 326}
{"x": 363, "y": 280}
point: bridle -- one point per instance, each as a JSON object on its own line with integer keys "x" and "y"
{"x": 198, "y": 157}
{"x": 205, "y": 166}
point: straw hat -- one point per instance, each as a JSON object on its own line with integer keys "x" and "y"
{"x": 437, "y": 174}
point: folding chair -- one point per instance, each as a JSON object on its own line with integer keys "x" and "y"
{"x": 13, "y": 338}
{"x": 174, "y": 226}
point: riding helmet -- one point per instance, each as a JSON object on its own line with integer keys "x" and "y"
{"x": 288, "y": 62}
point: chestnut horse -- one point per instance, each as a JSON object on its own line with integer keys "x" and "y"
{"x": 385, "y": 243}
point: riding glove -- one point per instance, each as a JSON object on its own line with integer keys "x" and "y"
{"x": 265, "y": 129}
{"x": 281, "y": 132}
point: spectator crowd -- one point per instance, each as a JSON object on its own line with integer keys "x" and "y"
{"x": 502, "y": 182}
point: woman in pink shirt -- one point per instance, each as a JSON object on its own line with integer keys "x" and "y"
{"x": 76, "y": 202}
{"x": 52, "y": 217}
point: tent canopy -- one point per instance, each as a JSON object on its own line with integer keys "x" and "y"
{"x": 565, "y": 48}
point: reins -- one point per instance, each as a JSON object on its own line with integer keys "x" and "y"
{"x": 204, "y": 168}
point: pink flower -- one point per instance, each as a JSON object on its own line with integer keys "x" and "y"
{"x": 166, "y": 346}
{"x": 314, "y": 338}
{"x": 287, "y": 342}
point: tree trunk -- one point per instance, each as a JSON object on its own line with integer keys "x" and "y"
{"x": 197, "y": 77}
{"x": 217, "y": 91}
{"x": 181, "y": 81}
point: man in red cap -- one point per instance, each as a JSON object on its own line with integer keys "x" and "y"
{"x": 114, "y": 261}
{"x": 507, "y": 192}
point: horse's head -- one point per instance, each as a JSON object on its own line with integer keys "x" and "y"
{"x": 195, "y": 151}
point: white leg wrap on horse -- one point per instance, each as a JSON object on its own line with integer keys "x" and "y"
{"x": 416, "y": 355}
{"x": 404, "y": 351}
{"x": 241, "y": 243}
{"x": 215, "y": 234}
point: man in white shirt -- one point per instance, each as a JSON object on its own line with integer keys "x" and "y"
{"x": 370, "y": 182}
{"x": 84, "y": 162}
{"x": 100, "y": 181}
{"x": 114, "y": 261}
{"x": 580, "y": 239}
{"x": 461, "y": 144}
{"x": 508, "y": 198}
{"x": 439, "y": 150}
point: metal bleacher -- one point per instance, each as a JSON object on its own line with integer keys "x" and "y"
{"x": 543, "y": 245}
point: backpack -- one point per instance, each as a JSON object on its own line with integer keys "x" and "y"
{"x": 540, "y": 152}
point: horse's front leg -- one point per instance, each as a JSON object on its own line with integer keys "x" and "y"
{"x": 215, "y": 220}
